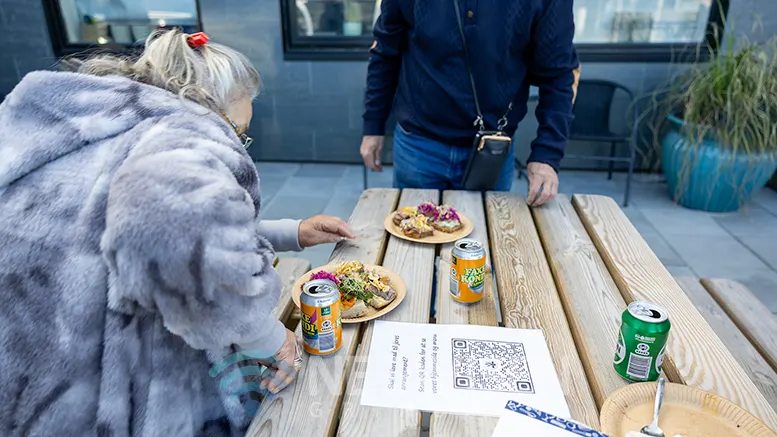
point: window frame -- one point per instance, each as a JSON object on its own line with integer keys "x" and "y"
{"x": 341, "y": 48}
{"x": 63, "y": 47}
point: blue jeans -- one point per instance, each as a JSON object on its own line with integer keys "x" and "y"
{"x": 423, "y": 163}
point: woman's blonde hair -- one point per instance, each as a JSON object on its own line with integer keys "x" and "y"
{"x": 212, "y": 75}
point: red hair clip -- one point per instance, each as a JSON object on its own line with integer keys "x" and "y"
{"x": 197, "y": 40}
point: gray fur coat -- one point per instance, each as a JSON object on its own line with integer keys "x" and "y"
{"x": 131, "y": 260}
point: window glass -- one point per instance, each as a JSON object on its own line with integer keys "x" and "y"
{"x": 124, "y": 21}
{"x": 641, "y": 21}
{"x": 335, "y": 17}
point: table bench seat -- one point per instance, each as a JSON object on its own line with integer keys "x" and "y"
{"x": 764, "y": 377}
{"x": 751, "y": 316}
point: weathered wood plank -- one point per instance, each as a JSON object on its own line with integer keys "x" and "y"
{"x": 528, "y": 296}
{"x": 592, "y": 302}
{"x": 414, "y": 262}
{"x": 764, "y": 377}
{"x": 751, "y": 316}
{"x": 695, "y": 354}
{"x": 310, "y": 407}
{"x": 289, "y": 269}
{"x": 451, "y": 312}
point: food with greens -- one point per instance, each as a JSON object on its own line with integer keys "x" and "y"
{"x": 362, "y": 291}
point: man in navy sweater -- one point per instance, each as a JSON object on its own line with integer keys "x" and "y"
{"x": 418, "y": 67}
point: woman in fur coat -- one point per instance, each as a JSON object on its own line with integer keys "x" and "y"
{"x": 132, "y": 257}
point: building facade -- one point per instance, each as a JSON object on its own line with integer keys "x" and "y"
{"x": 312, "y": 54}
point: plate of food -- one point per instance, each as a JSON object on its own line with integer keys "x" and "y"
{"x": 366, "y": 291}
{"x": 428, "y": 223}
{"x": 686, "y": 412}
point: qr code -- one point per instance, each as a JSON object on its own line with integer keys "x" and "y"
{"x": 491, "y": 366}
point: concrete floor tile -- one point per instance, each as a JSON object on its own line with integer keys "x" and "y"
{"x": 654, "y": 239}
{"x": 321, "y": 170}
{"x": 721, "y": 256}
{"x": 764, "y": 246}
{"x": 318, "y": 255}
{"x": 295, "y": 207}
{"x": 309, "y": 186}
{"x": 269, "y": 187}
{"x": 341, "y": 205}
{"x": 750, "y": 221}
{"x": 766, "y": 199}
{"x": 680, "y": 271}
{"x": 282, "y": 169}
{"x": 351, "y": 184}
{"x": 662, "y": 249}
{"x": 682, "y": 221}
{"x": 383, "y": 179}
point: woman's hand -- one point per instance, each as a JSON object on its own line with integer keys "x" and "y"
{"x": 322, "y": 229}
{"x": 282, "y": 367}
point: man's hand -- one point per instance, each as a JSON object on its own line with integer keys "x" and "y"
{"x": 372, "y": 145}
{"x": 282, "y": 367}
{"x": 543, "y": 183}
{"x": 322, "y": 229}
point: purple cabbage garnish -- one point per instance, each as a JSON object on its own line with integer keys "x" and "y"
{"x": 448, "y": 214}
{"x": 325, "y": 275}
{"x": 428, "y": 209}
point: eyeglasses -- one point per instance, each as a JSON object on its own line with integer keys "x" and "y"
{"x": 245, "y": 139}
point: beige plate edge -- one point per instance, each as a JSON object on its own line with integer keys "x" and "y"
{"x": 396, "y": 283}
{"x": 619, "y": 401}
{"x": 439, "y": 237}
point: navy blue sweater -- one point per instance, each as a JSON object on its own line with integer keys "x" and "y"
{"x": 417, "y": 66}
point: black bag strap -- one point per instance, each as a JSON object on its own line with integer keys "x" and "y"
{"x": 478, "y": 121}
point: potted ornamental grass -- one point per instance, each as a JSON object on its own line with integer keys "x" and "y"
{"x": 717, "y": 127}
{"x": 353, "y": 19}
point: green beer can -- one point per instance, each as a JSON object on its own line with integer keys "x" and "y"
{"x": 642, "y": 342}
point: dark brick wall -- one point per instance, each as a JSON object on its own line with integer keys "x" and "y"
{"x": 311, "y": 111}
{"x": 24, "y": 41}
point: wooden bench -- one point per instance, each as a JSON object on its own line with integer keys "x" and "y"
{"x": 764, "y": 377}
{"x": 528, "y": 297}
{"x": 696, "y": 356}
{"x": 752, "y": 317}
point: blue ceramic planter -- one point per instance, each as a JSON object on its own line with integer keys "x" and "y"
{"x": 708, "y": 177}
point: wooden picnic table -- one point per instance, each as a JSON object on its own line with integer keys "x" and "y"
{"x": 568, "y": 268}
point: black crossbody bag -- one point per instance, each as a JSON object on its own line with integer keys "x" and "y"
{"x": 490, "y": 148}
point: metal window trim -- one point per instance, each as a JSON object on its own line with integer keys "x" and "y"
{"x": 62, "y": 47}
{"x": 346, "y": 48}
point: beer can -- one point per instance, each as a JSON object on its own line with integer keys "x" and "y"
{"x": 322, "y": 331}
{"x": 468, "y": 270}
{"x": 642, "y": 340}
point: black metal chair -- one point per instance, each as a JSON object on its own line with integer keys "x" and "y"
{"x": 592, "y": 123}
